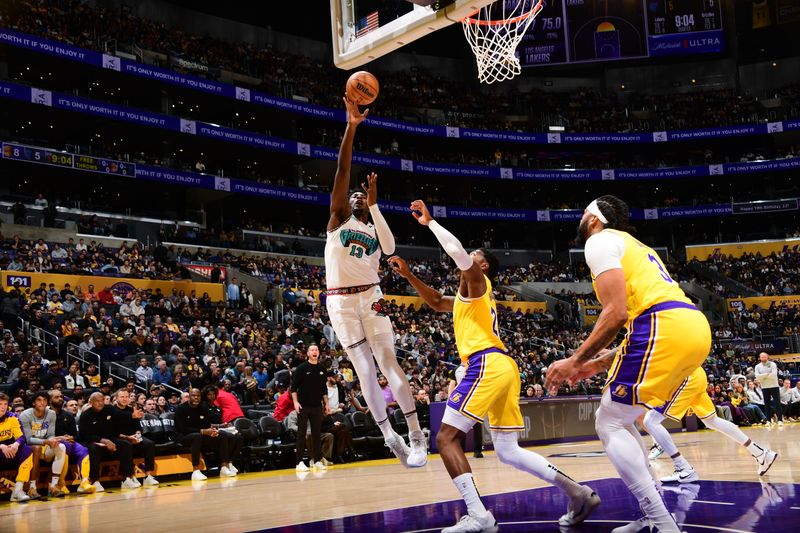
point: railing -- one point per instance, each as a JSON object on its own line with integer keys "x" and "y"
{"x": 83, "y": 356}
{"x": 43, "y": 337}
{"x": 123, "y": 373}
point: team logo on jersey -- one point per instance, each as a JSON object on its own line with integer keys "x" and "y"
{"x": 366, "y": 241}
{"x": 456, "y": 397}
{"x": 620, "y": 391}
{"x": 378, "y": 307}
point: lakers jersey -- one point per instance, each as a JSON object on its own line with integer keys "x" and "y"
{"x": 352, "y": 255}
{"x": 647, "y": 282}
{"x": 475, "y": 323}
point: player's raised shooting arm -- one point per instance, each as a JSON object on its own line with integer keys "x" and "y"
{"x": 435, "y": 299}
{"x": 340, "y": 207}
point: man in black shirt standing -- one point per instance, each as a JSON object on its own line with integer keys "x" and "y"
{"x": 99, "y": 432}
{"x": 193, "y": 420}
{"x": 310, "y": 396}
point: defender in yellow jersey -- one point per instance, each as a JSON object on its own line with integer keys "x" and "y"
{"x": 491, "y": 384}
{"x": 692, "y": 394}
{"x": 14, "y": 451}
{"x": 667, "y": 338}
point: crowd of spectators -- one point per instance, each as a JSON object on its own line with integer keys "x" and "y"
{"x": 129, "y": 260}
{"x": 779, "y": 319}
{"x": 777, "y": 274}
{"x": 432, "y": 98}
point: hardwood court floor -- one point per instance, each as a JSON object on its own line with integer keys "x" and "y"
{"x": 264, "y": 500}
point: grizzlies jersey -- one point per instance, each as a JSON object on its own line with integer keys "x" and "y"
{"x": 475, "y": 323}
{"x": 352, "y": 255}
{"x": 647, "y": 282}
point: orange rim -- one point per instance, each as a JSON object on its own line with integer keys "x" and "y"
{"x": 533, "y": 12}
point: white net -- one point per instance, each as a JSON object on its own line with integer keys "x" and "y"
{"x": 493, "y": 33}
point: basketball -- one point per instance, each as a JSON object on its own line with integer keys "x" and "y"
{"x": 362, "y": 88}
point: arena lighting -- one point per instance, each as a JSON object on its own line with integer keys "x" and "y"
{"x": 556, "y": 128}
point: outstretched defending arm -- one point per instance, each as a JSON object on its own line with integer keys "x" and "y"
{"x": 340, "y": 208}
{"x": 385, "y": 236}
{"x": 473, "y": 275}
{"x": 435, "y": 299}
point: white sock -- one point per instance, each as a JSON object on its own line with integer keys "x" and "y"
{"x": 755, "y": 450}
{"x": 509, "y": 452}
{"x": 681, "y": 463}
{"x": 614, "y": 423}
{"x": 466, "y": 486}
{"x": 412, "y": 420}
{"x": 364, "y": 365}
{"x": 54, "y": 481}
{"x": 653, "y": 424}
{"x": 653, "y": 507}
{"x": 18, "y": 486}
{"x": 386, "y": 427}
{"x": 383, "y": 348}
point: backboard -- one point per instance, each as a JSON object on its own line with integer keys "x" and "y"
{"x": 364, "y": 30}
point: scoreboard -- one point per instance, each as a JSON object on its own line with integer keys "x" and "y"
{"x": 573, "y": 31}
{"x": 45, "y": 156}
{"x": 678, "y": 27}
{"x": 109, "y": 166}
{"x": 37, "y": 155}
{"x": 683, "y": 16}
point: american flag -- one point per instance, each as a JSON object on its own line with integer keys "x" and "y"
{"x": 367, "y": 24}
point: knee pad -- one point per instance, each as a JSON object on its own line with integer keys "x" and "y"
{"x": 711, "y": 422}
{"x": 652, "y": 418}
{"x": 506, "y": 447}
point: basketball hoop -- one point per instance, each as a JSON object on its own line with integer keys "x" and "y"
{"x": 493, "y": 32}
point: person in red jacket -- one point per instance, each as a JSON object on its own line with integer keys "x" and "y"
{"x": 284, "y": 405}
{"x": 227, "y": 402}
{"x": 105, "y": 296}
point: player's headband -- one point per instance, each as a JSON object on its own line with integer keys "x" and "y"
{"x": 595, "y": 210}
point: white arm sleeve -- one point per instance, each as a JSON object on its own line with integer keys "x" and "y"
{"x": 451, "y": 245}
{"x": 385, "y": 236}
{"x": 604, "y": 251}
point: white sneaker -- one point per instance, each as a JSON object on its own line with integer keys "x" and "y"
{"x": 326, "y": 462}
{"x": 98, "y": 487}
{"x": 136, "y": 482}
{"x": 197, "y": 475}
{"x": 226, "y": 472}
{"x": 319, "y": 465}
{"x": 129, "y": 483}
{"x": 19, "y": 496}
{"x": 150, "y": 481}
{"x": 780, "y": 423}
{"x": 474, "y": 524}
{"x": 765, "y": 461}
{"x": 681, "y": 476}
{"x": 301, "y": 467}
{"x": 580, "y": 508}
{"x": 399, "y": 448}
{"x": 642, "y": 525}
{"x": 655, "y": 452}
{"x": 233, "y": 468}
{"x": 419, "y": 450}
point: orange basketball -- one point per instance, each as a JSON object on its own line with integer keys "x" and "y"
{"x": 362, "y": 88}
